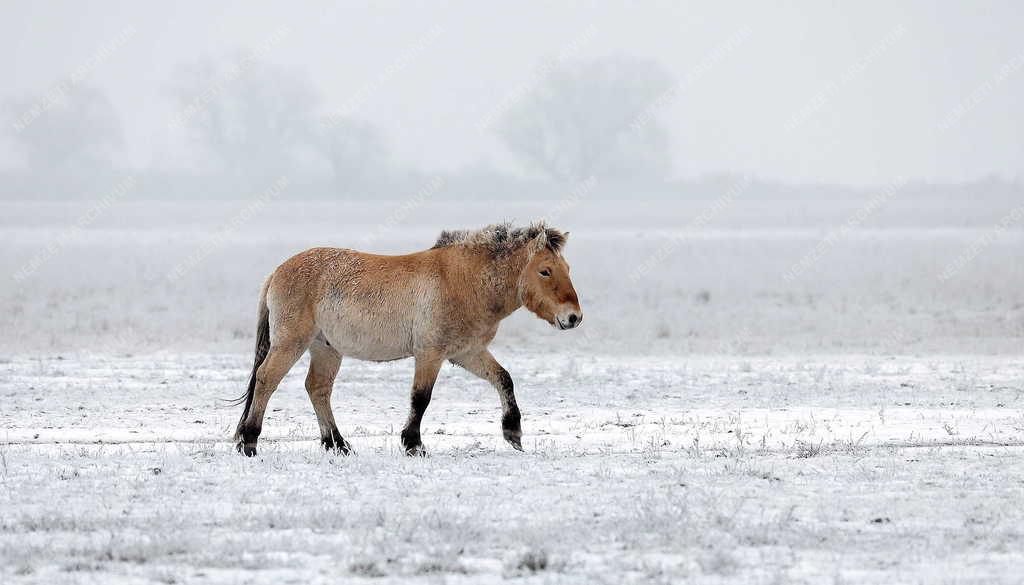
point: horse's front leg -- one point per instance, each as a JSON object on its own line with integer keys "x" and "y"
{"x": 428, "y": 363}
{"x": 483, "y": 365}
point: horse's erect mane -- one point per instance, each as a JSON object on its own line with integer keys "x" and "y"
{"x": 502, "y": 238}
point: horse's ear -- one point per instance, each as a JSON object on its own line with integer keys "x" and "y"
{"x": 540, "y": 241}
{"x": 556, "y": 240}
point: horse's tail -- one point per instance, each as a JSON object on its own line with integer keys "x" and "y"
{"x": 262, "y": 348}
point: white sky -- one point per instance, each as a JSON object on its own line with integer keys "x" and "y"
{"x": 866, "y": 128}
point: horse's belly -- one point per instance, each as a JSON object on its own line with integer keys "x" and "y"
{"x": 366, "y": 338}
{"x": 363, "y": 350}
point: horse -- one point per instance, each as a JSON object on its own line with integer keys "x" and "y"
{"x": 443, "y": 303}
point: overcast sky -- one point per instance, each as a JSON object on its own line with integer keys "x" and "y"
{"x": 856, "y": 94}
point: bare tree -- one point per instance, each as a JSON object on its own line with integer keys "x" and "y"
{"x": 577, "y": 122}
{"x": 70, "y": 132}
{"x": 355, "y": 151}
{"x": 260, "y": 121}
{"x": 252, "y": 117}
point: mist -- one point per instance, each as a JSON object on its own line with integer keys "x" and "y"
{"x": 364, "y": 102}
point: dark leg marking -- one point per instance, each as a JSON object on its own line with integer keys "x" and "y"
{"x": 511, "y": 420}
{"x": 412, "y": 442}
{"x": 247, "y": 444}
{"x": 411, "y": 439}
{"x": 335, "y": 442}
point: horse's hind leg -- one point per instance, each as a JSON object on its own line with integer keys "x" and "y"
{"x": 324, "y": 362}
{"x": 285, "y": 349}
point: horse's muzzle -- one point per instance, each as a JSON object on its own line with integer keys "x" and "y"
{"x": 570, "y": 320}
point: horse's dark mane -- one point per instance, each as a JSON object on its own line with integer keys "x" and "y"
{"x": 502, "y": 238}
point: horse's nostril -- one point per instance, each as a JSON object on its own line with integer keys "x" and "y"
{"x": 573, "y": 319}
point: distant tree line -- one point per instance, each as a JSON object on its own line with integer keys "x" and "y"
{"x": 590, "y": 128}
{"x": 244, "y": 126}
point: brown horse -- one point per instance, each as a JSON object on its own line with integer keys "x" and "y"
{"x": 440, "y": 304}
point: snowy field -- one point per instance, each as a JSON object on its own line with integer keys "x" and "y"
{"x": 713, "y": 421}
{"x": 824, "y": 469}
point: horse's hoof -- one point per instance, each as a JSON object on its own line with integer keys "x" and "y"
{"x": 342, "y": 448}
{"x": 412, "y": 443}
{"x": 514, "y": 438}
{"x": 416, "y": 451}
{"x": 336, "y": 443}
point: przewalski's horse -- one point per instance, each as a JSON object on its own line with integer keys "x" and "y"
{"x": 440, "y": 304}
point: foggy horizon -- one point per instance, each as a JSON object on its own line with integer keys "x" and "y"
{"x": 850, "y": 96}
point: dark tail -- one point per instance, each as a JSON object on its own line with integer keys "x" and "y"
{"x": 262, "y": 348}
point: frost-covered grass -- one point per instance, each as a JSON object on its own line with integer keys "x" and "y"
{"x": 835, "y": 468}
{"x": 198, "y": 513}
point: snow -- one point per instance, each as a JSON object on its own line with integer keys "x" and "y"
{"x": 809, "y": 469}
{"x": 711, "y": 423}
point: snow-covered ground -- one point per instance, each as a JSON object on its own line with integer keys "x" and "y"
{"x": 714, "y": 421}
{"x": 761, "y": 470}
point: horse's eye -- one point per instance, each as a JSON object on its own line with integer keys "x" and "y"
{"x": 545, "y": 273}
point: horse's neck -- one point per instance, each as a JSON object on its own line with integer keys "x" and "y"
{"x": 500, "y": 283}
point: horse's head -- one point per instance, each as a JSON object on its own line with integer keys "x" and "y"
{"x": 545, "y": 287}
